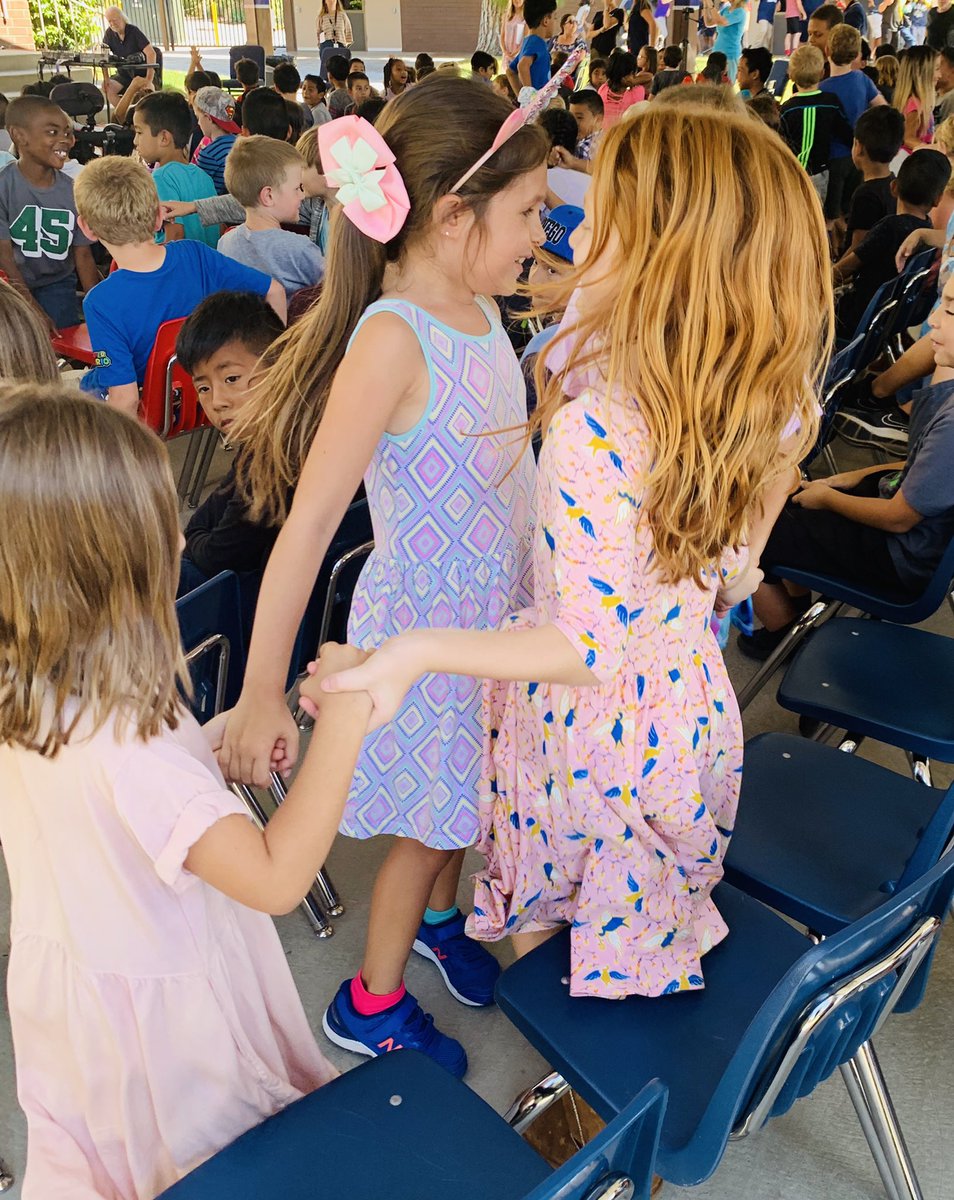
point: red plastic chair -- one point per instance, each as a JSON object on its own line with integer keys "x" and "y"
{"x": 73, "y": 344}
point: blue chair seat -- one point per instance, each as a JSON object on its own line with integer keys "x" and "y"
{"x": 401, "y": 1127}
{"x": 825, "y": 837}
{"x": 888, "y": 682}
{"x": 609, "y": 1049}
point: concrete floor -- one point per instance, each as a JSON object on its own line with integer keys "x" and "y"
{"x": 816, "y": 1152}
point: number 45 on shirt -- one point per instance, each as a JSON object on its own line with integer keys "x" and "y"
{"x": 43, "y": 232}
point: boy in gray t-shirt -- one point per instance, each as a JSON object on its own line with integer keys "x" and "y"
{"x": 42, "y": 249}
{"x": 265, "y": 176}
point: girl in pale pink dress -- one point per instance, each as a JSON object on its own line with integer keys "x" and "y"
{"x": 613, "y": 744}
{"x": 154, "y": 1016}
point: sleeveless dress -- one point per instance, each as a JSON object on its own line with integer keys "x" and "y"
{"x": 610, "y": 807}
{"x": 452, "y": 514}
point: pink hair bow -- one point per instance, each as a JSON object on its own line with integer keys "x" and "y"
{"x": 357, "y": 161}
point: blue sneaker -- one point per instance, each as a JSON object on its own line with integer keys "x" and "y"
{"x": 404, "y": 1027}
{"x": 469, "y": 971}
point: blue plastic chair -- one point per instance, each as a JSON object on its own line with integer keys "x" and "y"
{"x": 538, "y": 341}
{"x": 777, "y": 1015}
{"x": 372, "y": 1133}
{"x": 210, "y": 625}
{"x": 777, "y": 79}
{"x": 836, "y": 594}
{"x": 875, "y": 679}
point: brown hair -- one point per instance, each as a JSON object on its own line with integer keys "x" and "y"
{"x": 436, "y": 131}
{"x": 844, "y": 45}
{"x": 307, "y": 147}
{"x": 117, "y": 199}
{"x": 89, "y": 561}
{"x": 717, "y": 354}
{"x": 26, "y": 355}
{"x": 255, "y": 163}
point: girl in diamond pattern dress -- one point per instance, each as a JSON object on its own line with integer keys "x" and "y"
{"x": 610, "y": 781}
{"x": 407, "y": 368}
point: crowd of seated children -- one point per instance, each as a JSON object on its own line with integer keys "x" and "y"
{"x": 878, "y": 135}
{"x": 670, "y": 74}
{"x": 766, "y": 108}
{"x": 26, "y": 354}
{"x": 813, "y": 119}
{"x": 586, "y": 108}
{"x": 423, "y": 66}
{"x": 338, "y": 69}
{"x": 531, "y": 66}
{"x": 715, "y": 70}
{"x": 163, "y": 126}
{"x": 885, "y": 526}
{"x": 856, "y": 92}
{"x": 117, "y": 204}
{"x": 566, "y": 185}
{"x": 597, "y": 73}
{"x": 917, "y": 189}
{"x": 483, "y": 66}
{"x": 755, "y": 66}
{"x": 313, "y": 92}
{"x": 396, "y": 80}
{"x": 213, "y": 110}
{"x": 219, "y": 346}
{"x": 265, "y": 176}
{"x": 620, "y": 91}
{"x": 286, "y": 80}
{"x": 43, "y": 252}
{"x": 359, "y": 90}
{"x": 647, "y": 64}
{"x": 246, "y": 72}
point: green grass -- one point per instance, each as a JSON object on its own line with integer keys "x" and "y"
{"x": 173, "y": 79}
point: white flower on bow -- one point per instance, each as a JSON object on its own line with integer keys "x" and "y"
{"x": 355, "y": 176}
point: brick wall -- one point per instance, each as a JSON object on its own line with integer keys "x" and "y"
{"x": 17, "y": 31}
{"x": 440, "y": 27}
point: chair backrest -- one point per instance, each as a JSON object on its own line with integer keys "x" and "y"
{"x": 169, "y": 403}
{"x": 210, "y": 625}
{"x": 914, "y": 286}
{"x": 876, "y": 332}
{"x": 624, "y": 1151}
{"x": 327, "y": 610}
{"x": 255, "y": 53}
{"x": 538, "y": 341}
{"x": 777, "y": 79}
{"x": 832, "y": 1000}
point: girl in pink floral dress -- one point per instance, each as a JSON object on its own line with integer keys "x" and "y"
{"x": 610, "y": 781}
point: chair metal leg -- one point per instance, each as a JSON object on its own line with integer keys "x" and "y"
{"x": 534, "y": 1101}
{"x": 209, "y": 440}
{"x": 829, "y": 458}
{"x": 804, "y": 625}
{"x": 311, "y": 905}
{"x": 886, "y": 1125}
{"x": 323, "y": 888}
{"x": 188, "y": 466}
{"x": 849, "y": 1074}
{"x": 921, "y": 769}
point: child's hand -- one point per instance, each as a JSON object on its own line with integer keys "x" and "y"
{"x": 333, "y": 657}
{"x": 908, "y": 247}
{"x": 812, "y": 495}
{"x": 260, "y": 737}
{"x": 845, "y": 479}
{"x": 171, "y": 209}
{"x": 737, "y": 590}
{"x": 386, "y": 676}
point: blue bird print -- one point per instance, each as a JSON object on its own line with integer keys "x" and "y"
{"x": 548, "y": 870}
{"x": 636, "y": 895}
{"x": 606, "y": 975}
{"x": 576, "y": 513}
{"x": 611, "y": 599}
{"x": 600, "y": 442}
{"x": 612, "y": 924}
{"x": 651, "y": 754}
{"x": 548, "y": 538}
{"x": 592, "y": 645}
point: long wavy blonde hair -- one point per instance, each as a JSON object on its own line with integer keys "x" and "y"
{"x": 916, "y": 81}
{"x": 89, "y": 560}
{"x": 425, "y": 128}
{"x": 722, "y": 343}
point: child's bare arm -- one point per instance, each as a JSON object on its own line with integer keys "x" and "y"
{"x": 271, "y": 870}
{"x": 86, "y": 271}
{"x": 846, "y": 266}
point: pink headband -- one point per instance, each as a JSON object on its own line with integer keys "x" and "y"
{"x": 523, "y": 116}
{"x": 357, "y": 161}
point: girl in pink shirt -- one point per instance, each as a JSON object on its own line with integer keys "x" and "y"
{"x": 154, "y": 1016}
{"x": 620, "y": 90}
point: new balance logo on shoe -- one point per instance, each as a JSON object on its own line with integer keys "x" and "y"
{"x": 388, "y": 1045}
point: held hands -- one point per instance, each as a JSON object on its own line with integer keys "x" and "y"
{"x": 386, "y": 676}
{"x": 813, "y": 494}
{"x": 260, "y": 737}
{"x": 332, "y": 658}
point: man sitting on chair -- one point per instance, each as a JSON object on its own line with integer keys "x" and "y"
{"x": 123, "y": 41}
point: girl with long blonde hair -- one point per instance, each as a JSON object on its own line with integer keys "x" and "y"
{"x": 26, "y": 355}
{"x": 153, "y": 1013}
{"x": 677, "y": 401}
{"x": 913, "y": 95}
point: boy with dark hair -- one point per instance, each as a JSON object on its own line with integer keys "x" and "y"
{"x": 220, "y": 345}
{"x": 531, "y": 67}
{"x": 921, "y": 181}
{"x": 246, "y": 72}
{"x": 359, "y": 89}
{"x": 313, "y": 89}
{"x": 811, "y": 119}
{"x": 339, "y": 101}
{"x": 117, "y": 204}
{"x": 671, "y": 74}
{"x": 286, "y": 80}
{"x": 42, "y": 250}
{"x": 162, "y": 124}
{"x": 586, "y": 107}
{"x": 265, "y": 112}
{"x": 213, "y": 110}
{"x": 878, "y": 137}
{"x": 483, "y": 66}
{"x": 755, "y": 66}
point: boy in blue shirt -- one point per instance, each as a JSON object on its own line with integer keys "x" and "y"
{"x": 163, "y": 129}
{"x": 117, "y": 204}
{"x": 531, "y": 67}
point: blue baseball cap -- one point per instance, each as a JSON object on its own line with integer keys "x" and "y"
{"x": 558, "y": 226}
